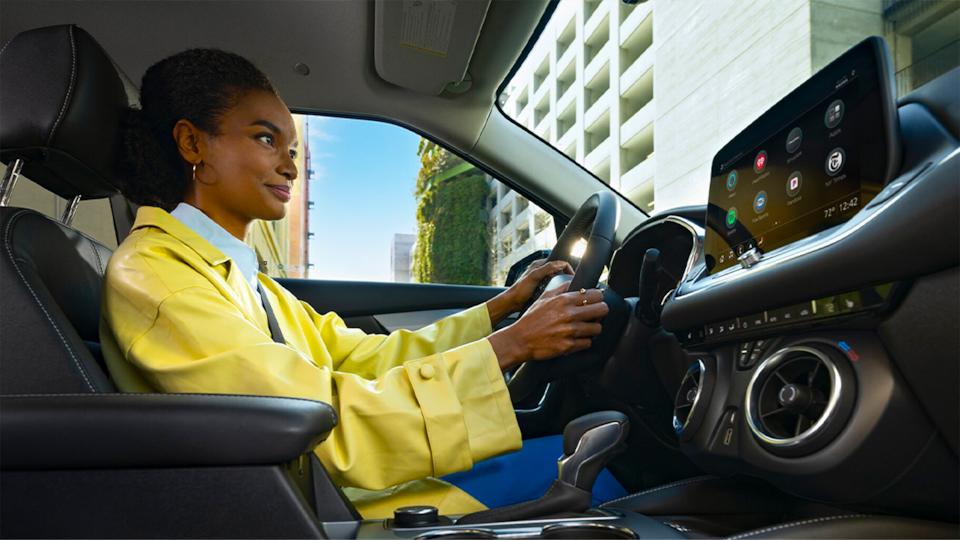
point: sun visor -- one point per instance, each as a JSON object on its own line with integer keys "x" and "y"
{"x": 424, "y": 45}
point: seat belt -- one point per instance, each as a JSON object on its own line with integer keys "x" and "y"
{"x": 271, "y": 318}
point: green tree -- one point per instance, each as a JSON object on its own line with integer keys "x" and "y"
{"x": 452, "y": 236}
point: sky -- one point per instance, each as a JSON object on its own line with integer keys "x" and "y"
{"x": 362, "y": 189}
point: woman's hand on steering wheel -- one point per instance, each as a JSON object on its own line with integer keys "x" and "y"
{"x": 514, "y": 298}
{"x": 557, "y": 324}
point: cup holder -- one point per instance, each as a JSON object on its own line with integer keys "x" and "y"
{"x": 559, "y": 531}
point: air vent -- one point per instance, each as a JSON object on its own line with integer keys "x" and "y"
{"x": 799, "y": 399}
{"x": 691, "y": 390}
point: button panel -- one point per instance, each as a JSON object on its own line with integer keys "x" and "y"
{"x": 868, "y": 299}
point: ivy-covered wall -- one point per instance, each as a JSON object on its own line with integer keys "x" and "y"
{"x": 452, "y": 235}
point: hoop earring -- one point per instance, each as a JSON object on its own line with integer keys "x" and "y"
{"x": 194, "y": 172}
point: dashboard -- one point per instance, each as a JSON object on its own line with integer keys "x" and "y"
{"x": 819, "y": 364}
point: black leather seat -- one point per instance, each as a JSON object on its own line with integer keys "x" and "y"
{"x": 61, "y": 118}
{"x": 79, "y": 459}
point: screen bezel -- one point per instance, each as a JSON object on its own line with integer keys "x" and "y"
{"x": 872, "y": 57}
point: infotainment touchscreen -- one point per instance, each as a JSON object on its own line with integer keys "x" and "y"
{"x": 807, "y": 164}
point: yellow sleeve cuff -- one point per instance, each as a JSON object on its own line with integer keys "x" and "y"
{"x": 466, "y": 407}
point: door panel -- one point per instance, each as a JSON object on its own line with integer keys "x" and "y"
{"x": 354, "y": 299}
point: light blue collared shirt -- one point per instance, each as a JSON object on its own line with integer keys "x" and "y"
{"x": 211, "y": 231}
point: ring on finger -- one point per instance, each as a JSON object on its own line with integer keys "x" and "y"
{"x": 583, "y": 291}
{"x": 584, "y": 301}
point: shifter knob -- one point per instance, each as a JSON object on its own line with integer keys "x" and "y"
{"x": 589, "y": 442}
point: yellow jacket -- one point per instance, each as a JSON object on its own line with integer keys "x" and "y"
{"x": 177, "y": 316}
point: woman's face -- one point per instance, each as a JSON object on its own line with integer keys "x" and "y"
{"x": 249, "y": 169}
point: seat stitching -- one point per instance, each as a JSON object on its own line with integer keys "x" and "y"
{"x": 665, "y": 486}
{"x": 96, "y": 252}
{"x": 5, "y": 46}
{"x": 796, "y": 524}
{"x": 73, "y": 80}
{"x": 16, "y": 267}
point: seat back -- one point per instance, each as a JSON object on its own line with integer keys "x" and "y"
{"x": 50, "y": 277}
{"x": 63, "y": 101}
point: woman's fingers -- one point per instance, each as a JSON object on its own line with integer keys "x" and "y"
{"x": 556, "y": 292}
{"x": 590, "y": 312}
{"x": 584, "y": 296}
{"x": 586, "y": 329}
{"x": 580, "y": 345}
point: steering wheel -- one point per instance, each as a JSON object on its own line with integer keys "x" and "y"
{"x": 599, "y": 215}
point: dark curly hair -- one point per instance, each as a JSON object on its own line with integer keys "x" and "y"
{"x": 199, "y": 85}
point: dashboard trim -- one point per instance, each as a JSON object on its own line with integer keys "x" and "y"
{"x": 776, "y": 359}
{"x": 843, "y": 231}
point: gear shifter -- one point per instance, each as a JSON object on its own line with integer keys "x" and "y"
{"x": 589, "y": 442}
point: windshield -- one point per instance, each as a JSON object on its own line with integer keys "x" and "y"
{"x": 643, "y": 96}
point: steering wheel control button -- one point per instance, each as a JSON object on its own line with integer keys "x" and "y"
{"x": 835, "y": 161}
{"x": 750, "y": 258}
{"x": 834, "y": 114}
{"x": 794, "y": 183}
{"x": 731, "y": 217}
{"x": 732, "y": 180}
{"x": 794, "y": 138}
{"x": 427, "y": 371}
{"x": 760, "y": 162}
{"x": 415, "y": 516}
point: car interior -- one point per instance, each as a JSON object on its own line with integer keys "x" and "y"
{"x": 796, "y": 384}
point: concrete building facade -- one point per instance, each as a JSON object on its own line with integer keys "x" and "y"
{"x": 643, "y": 96}
{"x": 401, "y": 257}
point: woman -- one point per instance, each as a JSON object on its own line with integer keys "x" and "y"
{"x": 184, "y": 307}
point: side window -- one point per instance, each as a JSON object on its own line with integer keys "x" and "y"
{"x": 375, "y": 202}
{"x": 93, "y": 218}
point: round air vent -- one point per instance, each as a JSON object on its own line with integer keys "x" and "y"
{"x": 799, "y": 399}
{"x": 690, "y": 394}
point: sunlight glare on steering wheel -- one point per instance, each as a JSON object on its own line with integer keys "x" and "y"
{"x": 579, "y": 249}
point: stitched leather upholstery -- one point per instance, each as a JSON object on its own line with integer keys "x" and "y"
{"x": 50, "y": 278}
{"x": 62, "y": 99}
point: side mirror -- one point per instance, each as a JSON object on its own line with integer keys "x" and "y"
{"x": 520, "y": 266}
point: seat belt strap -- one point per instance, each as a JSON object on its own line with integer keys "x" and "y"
{"x": 271, "y": 318}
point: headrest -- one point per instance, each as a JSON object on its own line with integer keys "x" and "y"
{"x": 62, "y": 100}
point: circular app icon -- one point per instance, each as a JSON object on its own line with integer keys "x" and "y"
{"x": 760, "y": 202}
{"x": 731, "y": 218}
{"x": 731, "y": 180}
{"x": 794, "y": 138}
{"x": 835, "y": 161}
{"x": 794, "y": 183}
{"x": 834, "y": 114}
{"x": 740, "y": 249}
{"x": 760, "y": 161}
{"x": 760, "y": 241}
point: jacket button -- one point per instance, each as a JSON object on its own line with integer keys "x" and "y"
{"x": 427, "y": 371}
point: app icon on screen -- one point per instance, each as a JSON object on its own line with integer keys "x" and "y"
{"x": 731, "y": 180}
{"x": 794, "y": 183}
{"x": 793, "y": 139}
{"x": 760, "y": 202}
{"x": 731, "y": 218}
{"x": 834, "y": 114}
{"x": 760, "y": 161}
{"x": 835, "y": 161}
